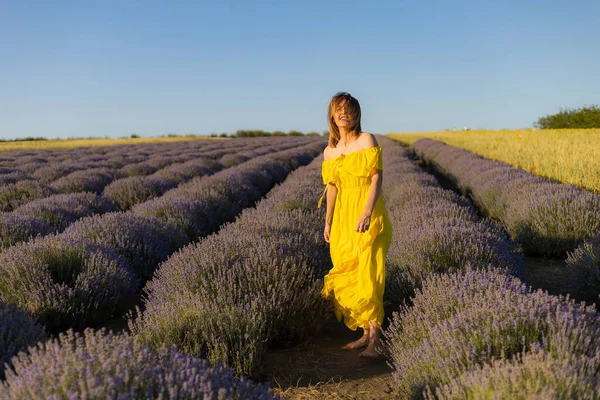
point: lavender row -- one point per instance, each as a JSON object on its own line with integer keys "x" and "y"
{"x": 18, "y": 187}
{"x": 120, "y": 155}
{"x": 253, "y": 285}
{"x": 435, "y": 230}
{"x": 100, "y": 365}
{"x": 31, "y": 161}
{"x": 133, "y": 190}
{"x": 54, "y": 213}
{"x": 48, "y": 215}
{"x": 127, "y": 192}
{"x": 545, "y": 218}
{"x": 22, "y": 188}
{"x": 78, "y": 278}
{"x": 198, "y": 207}
{"x": 93, "y": 172}
{"x": 484, "y": 334}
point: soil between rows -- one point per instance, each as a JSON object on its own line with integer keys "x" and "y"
{"x": 320, "y": 369}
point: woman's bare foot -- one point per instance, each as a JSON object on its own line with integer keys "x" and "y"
{"x": 374, "y": 341}
{"x": 360, "y": 343}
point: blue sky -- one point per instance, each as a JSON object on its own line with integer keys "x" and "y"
{"x": 113, "y": 68}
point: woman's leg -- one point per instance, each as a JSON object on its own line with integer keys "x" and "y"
{"x": 374, "y": 340}
{"x": 360, "y": 343}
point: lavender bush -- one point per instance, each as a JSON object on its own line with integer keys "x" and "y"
{"x": 62, "y": 210}
{"x": 127, "y": 192}
{"x": 21, "y": 228}
{"x": 52, "y": 172}
{"x": 143, "y": 242}
{"x": 545, "y": 218}
{"x": 16, "y": 194}
{"x": 4, "y": 170}
{"x": 17, "y": 331}
{"x": 204, "y": 327}
{"x": 459, "y": 321}
{"x": 585, "y": 262}
{"x": 89, "y": 180}
{"x": 550, "y": 219}
{"x": 63, "y": 283}
{"x": 14, "y": 177}
{"x": 231, "y": 159}
{"x": 100, "y": 365}
{"x": 185, "y": 171}
{"x": 139, "y": 169}
{"x": 531, "y": 375}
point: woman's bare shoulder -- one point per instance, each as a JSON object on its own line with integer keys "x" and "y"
{"x": 367, "y": 140}
{"x": 327, "y": 153}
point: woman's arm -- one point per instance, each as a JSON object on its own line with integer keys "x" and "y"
{"x": 331, "y": 195}
{"x": 374, "y": 192}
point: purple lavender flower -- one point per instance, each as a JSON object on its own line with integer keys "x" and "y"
{"x": 545, "y": 218}
{"x": 143, "y": 242}
{"x": 16, "y": 194}
{"x": 20, "y": 228}
{"x": 460, "y": 321}
{"x": 530, "y": 375}
{"x": 64, "y": 283}
{"x": 103, "y": 365}
{"x": 17, "y": 331}
{"x": 63, "y": 209}
{"x": 89, "y": 180}
{"x": 585, "y": 262}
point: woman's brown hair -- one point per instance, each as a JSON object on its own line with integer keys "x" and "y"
{"x": 343, "y": 98}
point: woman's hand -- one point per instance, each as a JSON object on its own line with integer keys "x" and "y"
{"x": 327, "y": 231}
{"x": 364, "y": 221}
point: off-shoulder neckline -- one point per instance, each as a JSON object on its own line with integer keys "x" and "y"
{"x": 352, "y": 152}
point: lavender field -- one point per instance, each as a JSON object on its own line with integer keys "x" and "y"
{"x": 222, "y": 243}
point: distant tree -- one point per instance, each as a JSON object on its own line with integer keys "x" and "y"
{"x": 25, "y": 139}
{"x": 313, "y": 134}
{"x": 223, "y": 134}
{"x": 278, "y": 133}
{"x": 134, "y": 136}
{"x": 295, "y": 133}
{"x": 251, "y": 133}
{"x": 326, "y": 132}
{"x": 581, "y": 118}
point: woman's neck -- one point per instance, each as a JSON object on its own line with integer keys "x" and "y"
{"x": 347, "y": 136}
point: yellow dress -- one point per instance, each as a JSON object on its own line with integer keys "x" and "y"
{"x": 356, "y": 282}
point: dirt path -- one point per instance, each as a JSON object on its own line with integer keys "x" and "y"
{"x": 320, "y": 369}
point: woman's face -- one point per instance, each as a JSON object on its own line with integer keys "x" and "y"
{"x": 341, "y": 115}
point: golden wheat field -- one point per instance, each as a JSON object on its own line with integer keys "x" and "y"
{"x": 564, "y": 155}
{"x": 57, "y": 144}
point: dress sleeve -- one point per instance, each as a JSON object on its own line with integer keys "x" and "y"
{"x": 374, "y": 159}
{"x": 362, "y": 163}
{"x": 325, "y": 172}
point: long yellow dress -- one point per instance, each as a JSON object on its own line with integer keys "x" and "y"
{"x": 356, "y": 282}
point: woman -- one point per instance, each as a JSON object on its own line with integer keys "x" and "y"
{"x": 356, "y": 223}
